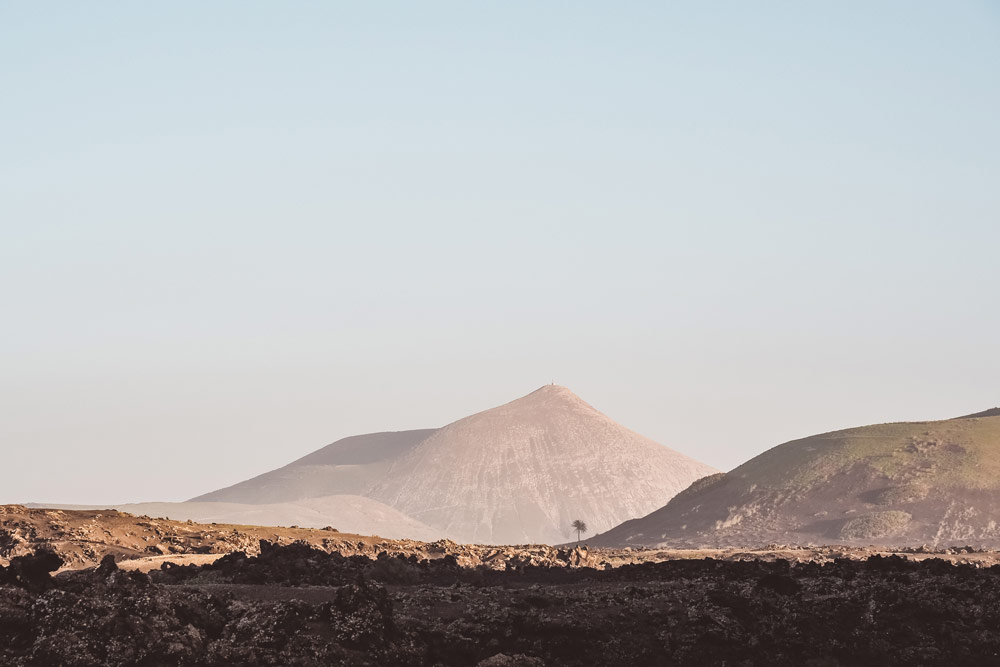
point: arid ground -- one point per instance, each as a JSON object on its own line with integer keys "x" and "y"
{"x": 100, "y": 588}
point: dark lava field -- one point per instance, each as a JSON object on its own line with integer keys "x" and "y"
{"x": 299, "y": 605}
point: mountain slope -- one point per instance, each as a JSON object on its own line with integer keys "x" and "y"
{"x": 348, "y": 514}
{"x": 349, "y": 466}
{"x": 524, "y": 471}
{"x": 518, "y": 473}
{"x": 934, "y": 483}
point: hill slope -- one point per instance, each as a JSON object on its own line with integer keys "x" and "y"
{"x": 935, "y": 483}
{"x": 515, "y": 474}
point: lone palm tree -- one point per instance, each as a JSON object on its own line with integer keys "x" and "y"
{"x": 579, "y": 527}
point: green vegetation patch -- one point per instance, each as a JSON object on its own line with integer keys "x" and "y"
{"x": 877, "y": 524}
{"x": 699, "y": 486}
{"x": 958, "y": 453}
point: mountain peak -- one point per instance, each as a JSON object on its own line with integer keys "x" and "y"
{"x": 549, "y": 390}
{"x": 552, "y": 386}
{"x": 542, "y": 406}
{"x": 553, "y": 390}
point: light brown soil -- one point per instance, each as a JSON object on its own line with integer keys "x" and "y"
{"x": 83, "y": 537}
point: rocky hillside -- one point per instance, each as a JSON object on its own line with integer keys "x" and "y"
{"x": 519, "y": 473}
{"x": 935, "y": 483}
{"x": 81, "y": 538}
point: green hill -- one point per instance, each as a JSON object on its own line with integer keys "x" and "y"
{"x": 906, "y": 483}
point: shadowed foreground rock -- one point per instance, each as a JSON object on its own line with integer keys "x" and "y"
{"x": 297, "y": 605}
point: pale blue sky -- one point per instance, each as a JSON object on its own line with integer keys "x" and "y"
{"x": 235, "y": 231}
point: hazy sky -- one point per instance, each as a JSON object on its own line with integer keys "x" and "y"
{"x": 233, "y": 232}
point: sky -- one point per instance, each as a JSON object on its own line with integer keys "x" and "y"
{"x": 233, "y": 232}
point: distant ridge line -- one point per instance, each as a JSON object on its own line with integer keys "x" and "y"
{"x": 992, "y": 412}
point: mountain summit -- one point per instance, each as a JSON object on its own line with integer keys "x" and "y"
{"x": 517, "y": 473}
{"x": 522, "y": 472}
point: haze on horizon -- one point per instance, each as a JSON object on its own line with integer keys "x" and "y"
{"x": 235, "y": 232}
